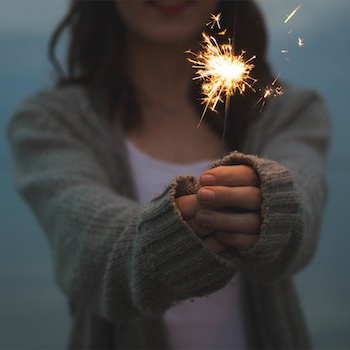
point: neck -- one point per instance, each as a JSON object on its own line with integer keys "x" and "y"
{"x": 158, "y": 72}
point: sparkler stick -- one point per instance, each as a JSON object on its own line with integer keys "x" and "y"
{"x": 227, "y": 104}
{"x": 222, "y": 71}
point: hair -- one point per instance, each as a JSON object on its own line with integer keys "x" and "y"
{"x": 94, "y": 60}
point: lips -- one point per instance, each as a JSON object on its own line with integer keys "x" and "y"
{"x": 170, "y": 8}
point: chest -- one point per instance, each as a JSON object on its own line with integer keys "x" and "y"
{"x": 177, "y": 139}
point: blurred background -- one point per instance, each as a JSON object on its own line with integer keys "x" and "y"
{"x": 33, "y": 312}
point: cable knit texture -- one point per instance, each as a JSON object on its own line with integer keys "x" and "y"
{"x": 122, "y": 265}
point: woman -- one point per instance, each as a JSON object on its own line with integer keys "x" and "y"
{"x": 108, "y": 159}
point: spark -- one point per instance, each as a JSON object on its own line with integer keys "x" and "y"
{"x": 221, "y": 71}
{"x": 223, "y": 32}
{"x": 300, "y": 42}
{"x": 285, "y": 52}
{"x": 270, "y": 91}
{"x": 215, "y": 19}
{"x": 293, "y": 13}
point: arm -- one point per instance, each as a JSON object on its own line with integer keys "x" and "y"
{"x": 117, "y": 258}
{"x": 292, "y": 141}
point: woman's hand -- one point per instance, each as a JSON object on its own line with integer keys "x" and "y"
{"x": 225, "y": 189}
{"x": 189, "y": 206}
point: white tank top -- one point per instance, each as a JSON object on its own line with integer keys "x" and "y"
{"x": 211, "y": 322}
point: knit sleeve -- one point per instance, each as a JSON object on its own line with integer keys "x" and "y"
{"x": 291, "y": 141}
{"x": 117, "y": 258}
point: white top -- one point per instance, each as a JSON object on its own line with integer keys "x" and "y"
{"x": 211, "y": 322}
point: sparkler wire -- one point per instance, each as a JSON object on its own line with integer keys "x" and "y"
{"x": 227, "y": 103}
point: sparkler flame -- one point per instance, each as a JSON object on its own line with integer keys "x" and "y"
{"x": 221, "y": 71}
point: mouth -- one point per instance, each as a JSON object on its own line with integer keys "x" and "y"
{"x": 170, "y": 8}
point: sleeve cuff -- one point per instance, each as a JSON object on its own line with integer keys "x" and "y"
{"x": 171, "y": 263}
{"x": 280, "y": 208}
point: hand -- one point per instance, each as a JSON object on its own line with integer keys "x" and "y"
{"x": 225, "y": 189}
{"x": 189, "y": 206}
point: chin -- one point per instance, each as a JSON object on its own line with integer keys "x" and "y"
{"x": 174, "y": 37}
{"x": 167, "y": 21}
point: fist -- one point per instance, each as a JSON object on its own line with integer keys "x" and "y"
{"x": 226, "y": 210}
{"x": 229, "y": 204}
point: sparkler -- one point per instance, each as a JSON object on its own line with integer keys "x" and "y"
{"x": 224, "y": 73}
{"x": 221, "y": 71}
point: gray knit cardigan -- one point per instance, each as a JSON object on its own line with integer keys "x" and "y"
{"x": 121, "y": 265}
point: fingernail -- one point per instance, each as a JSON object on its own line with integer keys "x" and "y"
{"x": 207, "y": 180}
{"x": 204, "y": 218}
{"x": 206, "y": 195}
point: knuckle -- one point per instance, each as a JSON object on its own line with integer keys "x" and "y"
{"x": 226, "y": 194}
{"x": 248, "y": 169}
{"x": 256, "y": 194}
{"x": 214, "y": 245}
{"x": 216, "y": 171}
{"x": 250, "y": 223}
{"x": 202, "y": 232}
{"x": 226, "y": 171}
{"x": 244, "y": 242}
{"x": 240, "y": 241}
{"x": 255, "y": 223}
{"x": 251, "y": 173}
{"x": 205, "y": 218}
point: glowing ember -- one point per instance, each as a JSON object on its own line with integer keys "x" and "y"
{"x": 215, "y": 19}
{"x": 221, "y": 72}
{"x": 293, "y": 13}
{"x": 300, "y": 42}
{"x": 270, "y": 91}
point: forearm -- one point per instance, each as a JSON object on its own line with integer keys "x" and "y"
{"x": 115, "y": 257}
{"x": 291, "y": 140}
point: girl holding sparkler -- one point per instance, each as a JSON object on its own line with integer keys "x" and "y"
{"x": 156, "y": 243}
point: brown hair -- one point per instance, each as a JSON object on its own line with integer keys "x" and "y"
{"x": 96, "y": 39}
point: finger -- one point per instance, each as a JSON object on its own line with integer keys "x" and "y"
{"x": 228, "y": 222}
{"x": 214, "y": 245}
{"x": 248, "y": 197}
{"x": 199, "y": 230}
{"x": 234, "y": 175}
{"x": 238, "y": 240}
{"x": 188, "y": 205}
